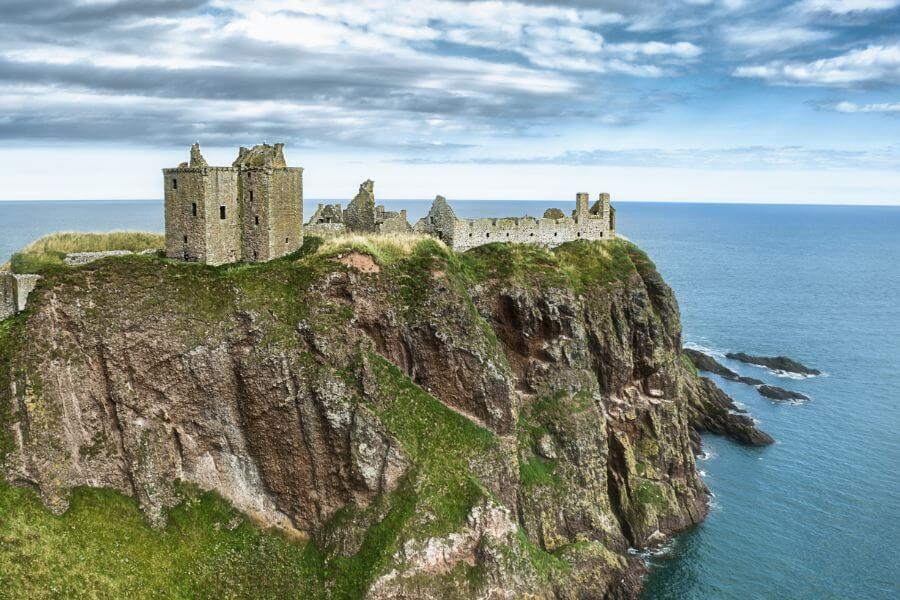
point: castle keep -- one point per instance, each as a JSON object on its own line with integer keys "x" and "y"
{"x": 251, "y": 211}
{"x": 596, "y": 222}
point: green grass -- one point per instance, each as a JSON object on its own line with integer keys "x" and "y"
{"x": 386, "y": 249}
{"x": 537, "y": 471}
{"x": 580, "y": 264}
{"x": 103, "y": 547}
{"x": 48, "y": 252}
{"x": 648, "y": 493}
{"x": 689, "y": 365}
{"x": 440, "y": 441}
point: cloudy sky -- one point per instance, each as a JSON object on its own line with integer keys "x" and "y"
{"x": 695, "y": 100}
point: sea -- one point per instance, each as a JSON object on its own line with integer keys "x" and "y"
{"x": 817, "y": 515}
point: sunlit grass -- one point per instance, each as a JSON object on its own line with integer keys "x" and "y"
{"x": 385, "y": 248}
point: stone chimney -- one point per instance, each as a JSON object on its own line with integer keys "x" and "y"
{"x": 197, "y": 159}
{"x": 278, "y": 160}
{"x": 581, "y": 202}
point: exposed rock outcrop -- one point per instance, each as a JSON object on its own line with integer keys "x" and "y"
{"x": 776, "y": 393}
{"x": 502, "y": 424}
{"x": 705, "y": 362}
{"x": 775, "y": 363}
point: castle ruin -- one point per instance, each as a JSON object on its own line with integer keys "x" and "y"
{"x": 362, "y": 215}
{"x": 596, "y": 222}
{"x": 251, "y": 211}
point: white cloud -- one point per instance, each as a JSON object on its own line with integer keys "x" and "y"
{"x": 844, "y": 7}
{"x": 878, "y": 107}
{"x": 763, "y": 38}
{"x": 870, "y": 65}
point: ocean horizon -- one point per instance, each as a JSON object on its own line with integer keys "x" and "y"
{"x": 813, "y": 516}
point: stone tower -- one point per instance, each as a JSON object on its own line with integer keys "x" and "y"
{"x": 252, "y": 210}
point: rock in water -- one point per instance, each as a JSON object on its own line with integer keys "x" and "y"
{"x": 705, "y": 362}
{"x": 776, "y": 363}
{"x": 777, "y": 393}
{"x": 503, "y": 423}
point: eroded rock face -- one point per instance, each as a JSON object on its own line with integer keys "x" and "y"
{"x": 265, "y": 387}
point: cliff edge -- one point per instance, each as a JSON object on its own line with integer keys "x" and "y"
{"x": 502, "y": 423}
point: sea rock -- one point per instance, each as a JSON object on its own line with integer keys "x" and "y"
{"x": 713, "y": 411}
{"x": 777, "y": 393}
{"x": 705, "y": 362}
{"x": 775, "y": 363}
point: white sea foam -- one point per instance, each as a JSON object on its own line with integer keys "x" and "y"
{"x": 704, "y": 349}
{"x": 707, "y": 455}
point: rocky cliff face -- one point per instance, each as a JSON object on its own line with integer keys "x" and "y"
{"x": 504, "y": 423}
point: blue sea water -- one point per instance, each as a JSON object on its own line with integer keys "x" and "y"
{"x": 816, "y": 516}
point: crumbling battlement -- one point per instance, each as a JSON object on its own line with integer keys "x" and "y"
{"x": 252, "y": 210}
{"x": 362, "y": 215}
{"x": 589, "y": 223}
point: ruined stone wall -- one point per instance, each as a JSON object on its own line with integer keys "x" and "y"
{"x": 185, "y": 225}
{"x": 83, "y": 258}
{"x": 392, "y": 222}
{"x": 360, "y": 213}
{"x": 552, "y": 230}
{"x": 25, "y": 284}
{"x": 8, "y": 296}
{"x": 439, "y": 222}
{"x": 285, "y": 211}
{"x": 469, "y": 233}
{"x": 223, "y": 235}
{"x": 324, "y": 229}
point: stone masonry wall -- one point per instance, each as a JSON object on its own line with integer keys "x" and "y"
{"x": 254, "y": 192}
{"x": 25, "y": 284}
{"x": 462, "y": 234}
{"x": 8, "y": 296}
{"x": 285, "y": 211}
{"x": 185, "y": 230}
{"x": 223, "y": 235}
{"x": 360, "y": 213}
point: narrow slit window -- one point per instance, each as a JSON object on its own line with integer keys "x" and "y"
{"x": 174, "y": 184}
{"x": 487, "y": 235}
{"x": 185, "y": 239}
{"x": 286, "y": 240}
{"x": 256, "y": 219}
{"x": 222, "y": 212}
{"x": 194, "y": 209}
{"x": 251, "y": 195}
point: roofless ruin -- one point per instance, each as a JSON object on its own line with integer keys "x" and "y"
{"x": 253, "y": 211}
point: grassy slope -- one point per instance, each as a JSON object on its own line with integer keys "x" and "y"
{"x": 49, "y": 251}
{"x": 103, "y": 546}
